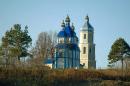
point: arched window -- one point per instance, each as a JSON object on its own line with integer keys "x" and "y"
{"x": 61, "y": 40}
{"x": 84, "y": 50}
{"x": 67, "y": 40}
{"x": 84, "y": 36}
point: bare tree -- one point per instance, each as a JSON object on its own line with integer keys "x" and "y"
{"x": 45, "y": 42}
{"x": 53, "y": 37}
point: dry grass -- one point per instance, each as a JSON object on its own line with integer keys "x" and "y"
{"x": 44, "y": 76}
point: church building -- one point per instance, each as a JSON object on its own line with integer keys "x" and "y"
{"x": 67, "y": 52}
{"x": 87, "y": 46}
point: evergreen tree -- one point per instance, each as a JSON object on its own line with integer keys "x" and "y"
{"x": 119, "y": 50}
{"x": 16, "y": 42}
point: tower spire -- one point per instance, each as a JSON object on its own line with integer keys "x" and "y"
{"x": 87, "y": 18}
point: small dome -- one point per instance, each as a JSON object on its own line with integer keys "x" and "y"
{"x": 67, "y": 19}
{"x": 63, "y": 24}
{"x": 87, "y": 18}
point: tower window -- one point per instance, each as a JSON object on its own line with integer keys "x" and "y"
{"x": 84, "y": 36}
{"x": 84, "y": 50}
{"x": 89, "y": 50}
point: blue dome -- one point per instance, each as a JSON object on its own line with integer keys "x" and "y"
{"x": 67, "y": 32}
{"x": 62, "y": 33}
{"x": 70, "y": 32}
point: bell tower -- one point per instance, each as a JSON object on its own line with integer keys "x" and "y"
{"x": 87, "y": 46}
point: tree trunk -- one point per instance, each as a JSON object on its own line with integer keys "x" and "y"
{"x": 126, "y": 67}
{"x": 122, "y": 66}
{"x": 18, "y": 58}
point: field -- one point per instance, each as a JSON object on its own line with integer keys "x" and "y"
{"x": 43, "y": 76}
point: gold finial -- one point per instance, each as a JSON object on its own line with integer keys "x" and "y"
{"x": 63, "y": 24}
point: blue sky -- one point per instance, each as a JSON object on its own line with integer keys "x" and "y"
{"x": 110, "y": 18}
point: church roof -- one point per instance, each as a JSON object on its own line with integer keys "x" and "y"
{"x": 87, "y": 26}
{"x": 48, "y": 61}
{"x": 62, "y": 33}
{"x": 67, "y": 30}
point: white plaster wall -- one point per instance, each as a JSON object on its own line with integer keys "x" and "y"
{"x": 89, "y": 57}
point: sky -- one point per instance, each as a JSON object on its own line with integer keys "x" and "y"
{"x": 110, "y": 19}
